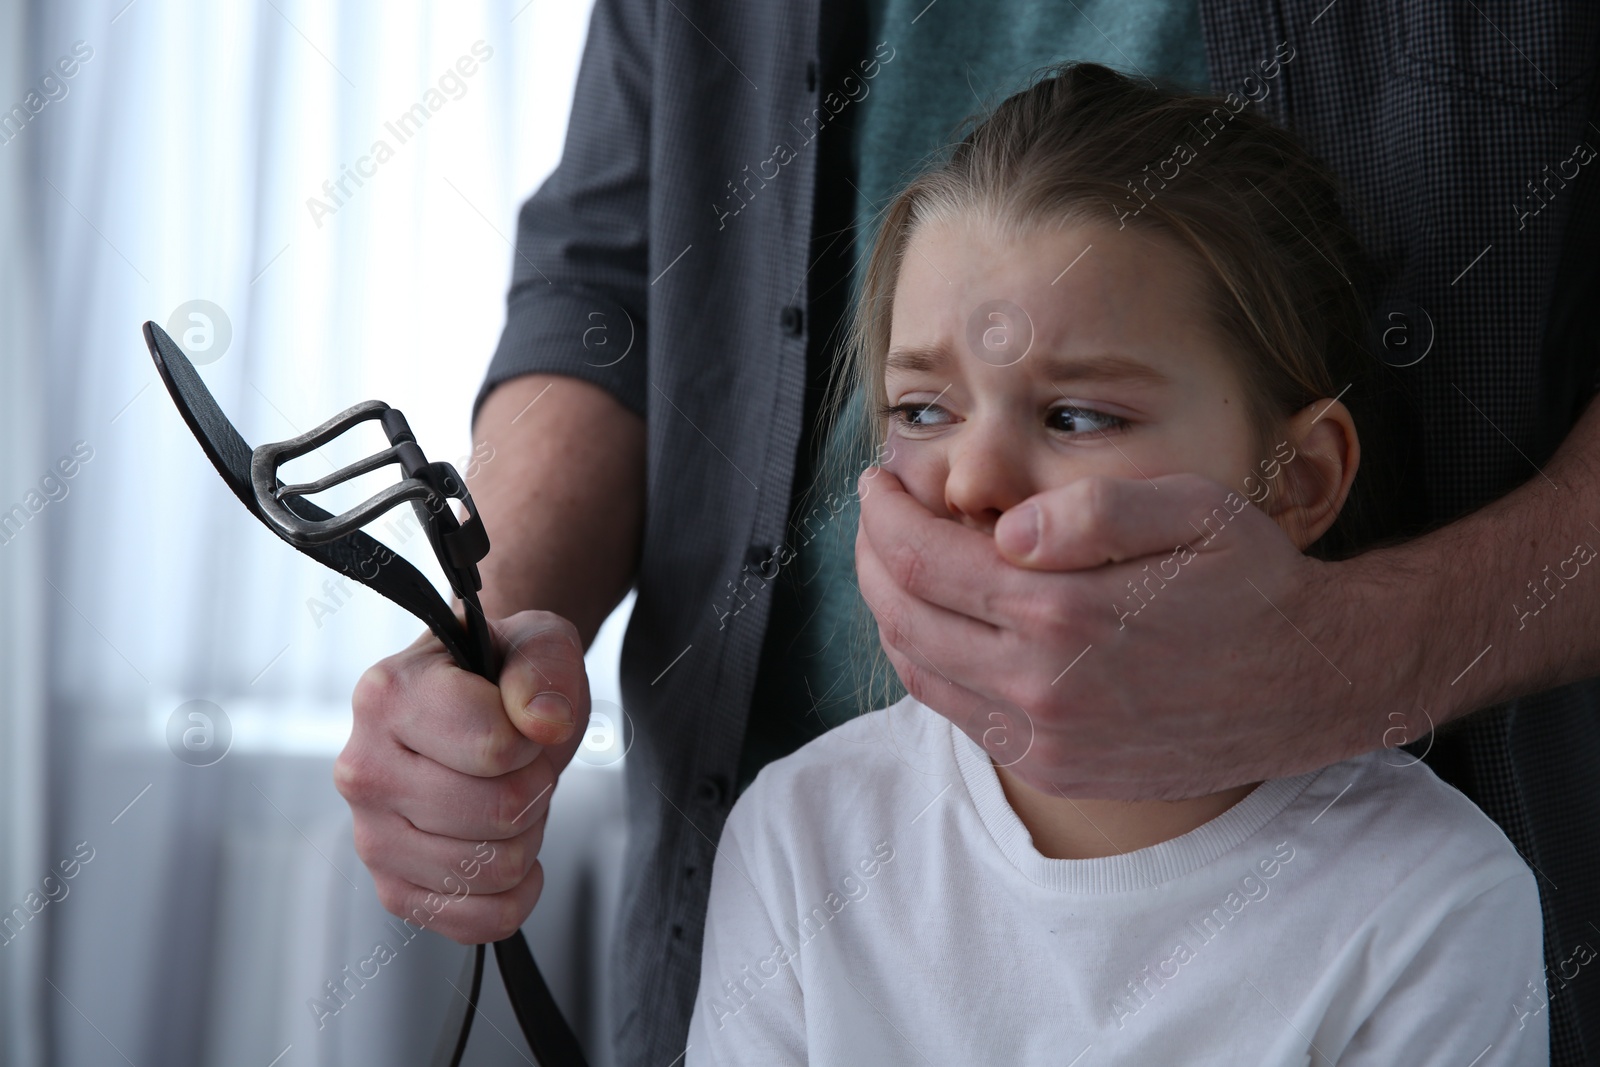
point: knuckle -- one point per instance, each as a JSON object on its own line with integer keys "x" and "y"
{"x": 375, "y": 691}
{"x": 393, "y": 896}
{"x": 1096, "y": 503}
{"x": 910, "y": 562}
{"x": 1032, "y": 612}
{"x": 503, "y": 808}
{"x": 486, "y": 875}
{"x": 427, "y": 907}
{"x": 507, "y": 914}
{"x": 570, "y": 631}
{"x": 1023, "y": 692}
{"x": 497, "y": 748}
{"x": 356, "y": 776}
{"x": 997, "y": 602}
{"x": 891, "y": 619}
{"x": 1035, "y": 697}
{"x": 515, "y": 797}
{"x": 508, "y": 866}
{"x": 557, "y": 635}
{"x": 1061, "y": 612}
{"x": 1096, "y": 492}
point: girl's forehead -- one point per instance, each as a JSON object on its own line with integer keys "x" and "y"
{"x": 1076, "y": 284}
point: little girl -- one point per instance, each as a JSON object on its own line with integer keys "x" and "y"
{"x": 1108, "y": 279}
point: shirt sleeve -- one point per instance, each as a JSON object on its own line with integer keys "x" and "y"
{"x": 577, "y": 299}
{"x": 1473, "y": 994}
{"x": 750, "y": 1008}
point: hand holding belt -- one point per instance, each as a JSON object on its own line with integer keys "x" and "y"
{"x": 336, "y": 541}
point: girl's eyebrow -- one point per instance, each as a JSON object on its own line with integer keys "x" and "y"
{"x": 1104, "y": 367}
{"x": 915, "y": 358}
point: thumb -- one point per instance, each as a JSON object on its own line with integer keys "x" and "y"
{"x": 543, "y": 684}
{"x": 1098, "y": 519}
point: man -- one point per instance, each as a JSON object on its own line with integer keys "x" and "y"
{"x": 671, "y": 324}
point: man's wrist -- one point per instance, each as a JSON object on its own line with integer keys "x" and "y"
{"x": 1380, "y": 638}
{"x": 1458, "y": 609}
{"x": 1457, "y": 670}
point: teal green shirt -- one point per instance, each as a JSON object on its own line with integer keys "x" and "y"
{"x": 954, "y": 58}
{"x": 822, "y": 664}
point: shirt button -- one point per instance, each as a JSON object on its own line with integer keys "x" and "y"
{"x": 792, "y": 320}
{"x": 763, "y": 559}
{"x": 712, "y": 790}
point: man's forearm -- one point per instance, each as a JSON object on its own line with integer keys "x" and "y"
{"x": 1506, "y": 601}
{"x": 558, "y": 477}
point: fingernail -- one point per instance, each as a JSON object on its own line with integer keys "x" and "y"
{"x": 551, "y": 707}
{"x": 1018, "y": 531}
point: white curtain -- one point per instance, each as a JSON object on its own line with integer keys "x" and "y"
{"x": 22, "y": 605}
{"x": 323, "y": 196}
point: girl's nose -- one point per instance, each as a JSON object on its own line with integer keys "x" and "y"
{"x": 989, "y": 472}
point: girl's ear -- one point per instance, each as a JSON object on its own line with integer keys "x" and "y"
{"x": 1316, "y": 462}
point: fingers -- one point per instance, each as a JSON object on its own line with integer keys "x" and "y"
{"x": 378, "y": 776}
{"x": 955, "y": 702}
{"x": 463, "y": 914}
{"x": 1096, "y": 520}
{"x": 422, "y": 700}
{"x": 543, "y": 685}
{"x": 946, "y": 637}
{"x": 921, "y": 629}
{"x": 392, "y": 847}
{"x": 933, "y": 559}
{"x": 439, "y": 800}
{"x": 448, "y": 796}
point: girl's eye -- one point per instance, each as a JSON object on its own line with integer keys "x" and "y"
{"x": 914, "y": 414}
{"x": 1071, "y": 419}
{"x": 1067, "y": 418}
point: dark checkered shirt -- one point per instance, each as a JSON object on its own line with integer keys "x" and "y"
{"x": 1436, "y": 114}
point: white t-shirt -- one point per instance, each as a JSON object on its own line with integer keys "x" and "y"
{"x": 875, "y": 900}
